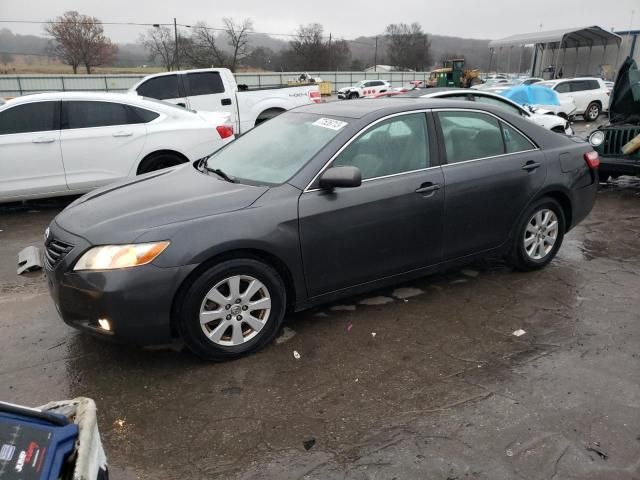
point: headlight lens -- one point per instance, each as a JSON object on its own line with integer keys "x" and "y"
{"x": 109, "y": 257}
{"x": 596, "y": 138}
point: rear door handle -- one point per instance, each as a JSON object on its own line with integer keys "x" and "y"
{"x": 123, "y": 134}
{"x": 428, "y": 188}
{"x": 44, "y": 140}
{"x": 530, "y": 166}
{"x": 225, "y": 101}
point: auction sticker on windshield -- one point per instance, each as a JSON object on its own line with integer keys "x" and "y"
{"x": 329, "y": 123}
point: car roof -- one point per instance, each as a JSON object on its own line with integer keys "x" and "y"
{"x": 364, "y": 107}
{"x": 128, "y": 98}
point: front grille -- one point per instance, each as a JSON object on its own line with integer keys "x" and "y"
{"x": 616, "y": 138}
{"x": 55, "y": 251}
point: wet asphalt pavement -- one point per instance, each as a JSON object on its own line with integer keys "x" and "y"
{"x": 423, "y": 381}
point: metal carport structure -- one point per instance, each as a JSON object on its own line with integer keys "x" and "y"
{"x": 557, "y": 42}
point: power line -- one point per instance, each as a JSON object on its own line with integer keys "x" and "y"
{"x": 138, "y": 24}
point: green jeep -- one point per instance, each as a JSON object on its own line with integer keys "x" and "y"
{"x": 623, "y": 126}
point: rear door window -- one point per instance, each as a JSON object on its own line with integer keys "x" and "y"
{"x": 470, "y": 136}
{"x": 162, "y": 88}
{"x": 514, "y": 141}
{"x": 204, "y": 83}
{"x": 142, "y": 115}
{"x": 88, "y": 114}
{"x": 30, "y": 117}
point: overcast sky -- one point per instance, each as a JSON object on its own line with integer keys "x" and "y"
{"x": 344, "y": 18}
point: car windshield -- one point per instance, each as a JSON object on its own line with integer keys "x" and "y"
{"x": 273, "y": 152}
{"x": 360, "y": 84}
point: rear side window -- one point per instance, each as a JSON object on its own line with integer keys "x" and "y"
{"x": 204, "y": 83}
{"x": 87, "y": 114}
{"x": 30, "y": 117}
{"x": 141, "y": 115}
{"x": 470, "y": 135}
{"x": 563, "y": 88}
{"x": 393, "y": 146}
{"x": 593, "y": 84}
{"x": 514, "y": 141}
{"x": 160, "y": 87}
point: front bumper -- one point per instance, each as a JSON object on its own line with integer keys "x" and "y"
{"x": 136, "y": 301}
{"x": 619, "y": 166}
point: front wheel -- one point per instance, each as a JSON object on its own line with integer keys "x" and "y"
{"x": 592, "y": 112}
{"x": 232, "y": 309}
{"x": 353, "y": 96}
{"x": 539, "y": 235}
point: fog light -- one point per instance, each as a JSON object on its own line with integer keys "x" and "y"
{"x": 104, "y": 324}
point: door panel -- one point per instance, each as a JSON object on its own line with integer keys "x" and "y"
{"x": 491, "y": 175}
{"x": 98, "y": 145}
{"x": 205, "y": 91}
{"x": 390, "y": 224}
{"x": 30, "y": 158}
{"x": 382, "y": 228}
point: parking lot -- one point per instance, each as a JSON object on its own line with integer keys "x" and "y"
{"x": 426, "y": 380}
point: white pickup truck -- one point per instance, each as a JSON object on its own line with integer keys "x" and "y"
{"x": 215, "y": 89}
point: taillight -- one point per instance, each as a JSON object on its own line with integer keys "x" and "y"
{"x": 315, "y": 97}
{"x": 593, "y": 159}
{"x": 225, "y": 131}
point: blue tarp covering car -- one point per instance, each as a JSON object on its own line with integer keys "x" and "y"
{"x": 532, "y": 95}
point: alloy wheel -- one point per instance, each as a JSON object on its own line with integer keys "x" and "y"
{"x": 235, "y": 310}
{"x": 541, "y": 234}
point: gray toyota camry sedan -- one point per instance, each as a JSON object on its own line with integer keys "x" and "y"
{"x": 319, "y": 203}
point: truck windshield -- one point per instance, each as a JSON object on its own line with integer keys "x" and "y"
{"x": 273, "y": 152}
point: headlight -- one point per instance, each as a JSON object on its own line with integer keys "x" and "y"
{"x": 109, "y": 257}
{"x": 596, "y": 138}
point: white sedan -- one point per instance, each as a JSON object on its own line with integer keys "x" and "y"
{"x": 68, "y": 143}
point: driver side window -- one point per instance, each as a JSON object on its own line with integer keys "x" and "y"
{"x": 396, "y": 145}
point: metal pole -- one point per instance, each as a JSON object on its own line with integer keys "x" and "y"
{"x": 330, "y": 51}
{"x": 375, "y": 57}
{"x": 520, "y": 62}
{"x": 175, "y": 32}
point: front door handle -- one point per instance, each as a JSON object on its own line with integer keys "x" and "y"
{"x": 123, "y": 134}
{"x": 225, "y": 101}
{"x": 428, "y": 187}
{"x": 44, "y": 140}
{"x": 530, "y": 166}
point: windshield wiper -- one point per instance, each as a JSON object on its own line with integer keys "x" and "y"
{"x": 220, "y": 173}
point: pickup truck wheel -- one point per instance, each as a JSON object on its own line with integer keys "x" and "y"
{"x": 234, "y": 308}
{"x": 592, "y": 112}
{"x": 539, "y": 235}
{"x": 353, "y": 96}
{"x": 158, "y": 161}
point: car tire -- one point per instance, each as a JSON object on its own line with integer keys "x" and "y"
{"x": 158, "y": 161}
{"x": 592, "y": 112}
{"x": 531, "y": 249}
{"x": 233, "y": 330}
{"x": 353, "y": 96}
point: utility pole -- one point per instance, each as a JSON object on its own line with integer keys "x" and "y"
{"x": 375, "y": 57}
{"x": 330, "y": 51}
{"x": 175, "y": 33}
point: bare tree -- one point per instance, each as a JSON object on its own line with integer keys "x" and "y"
{"x": 308, "y": 47}
{"x": 160, "y": 44}
{"x": 238, "y": 40}
{"x": 407, "y": 46}
{"x": 80, "y": 40}
{"x": 201, "y": 49}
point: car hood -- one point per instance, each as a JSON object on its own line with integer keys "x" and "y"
{"x": 624, "y": 106}
{"x": 121, "y": 212}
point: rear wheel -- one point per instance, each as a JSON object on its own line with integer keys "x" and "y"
{"x": 539, "y": 235}
{"x": 232, "y": 309}
{"x": 158, "y": 161}
{"x": 592, "y": 112}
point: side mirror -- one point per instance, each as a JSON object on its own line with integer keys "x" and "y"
{"x": 340, "y": 177}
